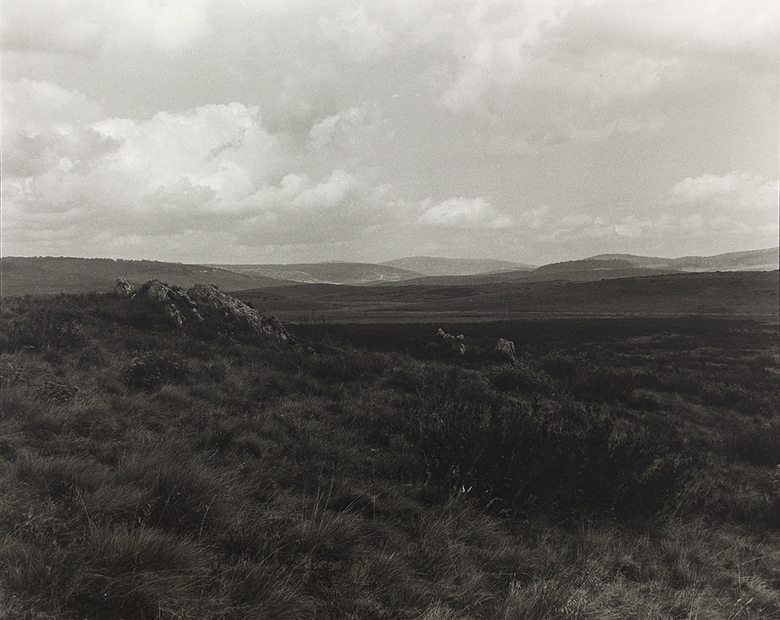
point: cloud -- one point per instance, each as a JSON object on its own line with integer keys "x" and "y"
{"x": 735, "y": 191}
{"x": 359, "y": 36}
{"x": 214, "y": 168}
{"x": 88, "y": 27}
{"x": 31, "y": 107}
{"x": 588, "y": 133}
{"x": 345, "y": 128}
{"x": 685, "y": 25}
{"x": 730, "y": 212}
{"x": 463, "y": 213}
{"x": 607, "y": 51}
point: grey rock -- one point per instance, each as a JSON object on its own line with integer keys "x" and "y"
{"x": 123, "y": 288}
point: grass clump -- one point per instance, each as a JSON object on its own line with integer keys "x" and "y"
{"x": 623, "y": 469}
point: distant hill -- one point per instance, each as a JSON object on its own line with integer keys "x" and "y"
{"x": 432, "y": 266}
{"x": 609, "y": 267}
{"x": 21, "y": 276}
{"x": 326, "y": 273}
{"x": 602, "y": 270}
{"x": 754, "y": 260}
{"x": 75, "y": 275}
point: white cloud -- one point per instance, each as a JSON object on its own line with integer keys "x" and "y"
{"x": 626, "y": 126}
{"x": 93, "y": 26}
{"x": 715, "y": 24}
{"x": 45, "y": 126}
{"x": 729, "y": 212}
{"x": 463, "y": 213}
{"x": 351, "y": 112}
{"x": 604, "y": 50}
{"x": 31, "y": 107}
{"x": 211, "y": 168}
{"x": 735, "y": 191}
{"x": 359, "y": 35}
{"x": 342, "y": 127}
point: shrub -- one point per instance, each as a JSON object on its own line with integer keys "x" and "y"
{"x": 52, "y": 327}
{"x": 152, "y": 370}
{"x": 738, "y": 397}
{"x": 346, "y": 366}
{"x": 58, "y": 477}
{"x": 264, "y": 592}
{"x": 523, "y": 378}
{"x": 567, "y": 456}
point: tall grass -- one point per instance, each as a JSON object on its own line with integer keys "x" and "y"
{"x": 151, "y": 471}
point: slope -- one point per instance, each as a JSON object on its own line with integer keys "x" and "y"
{"x": 326, "y": 273}
{"x": 47, "y": 275}
{"x": 434, "y": 266}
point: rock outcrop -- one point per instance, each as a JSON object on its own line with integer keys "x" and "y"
{"x": 211, "y": 299}
{"x": 123, "y": 288}
{"x": 506, "y": 346}
{"x": 206, "y": 303}
{"x": 177, "y": 304}
{"x": 455, "y": 341}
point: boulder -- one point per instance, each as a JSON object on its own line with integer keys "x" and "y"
{"x": 205, "y": 302}
{"x": 178, "y": 305}
{"x": 456, "y": 342}
{"x": 507, "y": 347}
{"x": 211, "y": 299}
{"x": 123, "y": 288}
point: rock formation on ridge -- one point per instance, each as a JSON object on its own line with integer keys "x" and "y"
{"x": 205, "y": 303}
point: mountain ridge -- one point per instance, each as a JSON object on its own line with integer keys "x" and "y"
{"x": 48, "y": 275}
{"x": 437, "y": 266}
{"x": 328, "y": 272}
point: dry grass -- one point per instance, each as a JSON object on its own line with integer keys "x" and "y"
{"x": 146, "y": 472}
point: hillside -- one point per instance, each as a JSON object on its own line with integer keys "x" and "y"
{"x": 587, "y": 271}
{"x": 432, "y": 266}
{"x": 755, "y": 260}
{"x": 152, "y": 469}
{"x": 47, "y": 275}
{"x": 54, "y": 275}
{"x": 328, "y": 273}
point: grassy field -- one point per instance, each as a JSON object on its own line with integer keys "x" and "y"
{"x": 618, "y": 468}
{"x": 728, "y": 294}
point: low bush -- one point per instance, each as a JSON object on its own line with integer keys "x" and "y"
{"x": 568, "y": 456}
{"x": 345, "y": 366}
{"x": 523, "y": 378}
{"x": 152, "y": 370}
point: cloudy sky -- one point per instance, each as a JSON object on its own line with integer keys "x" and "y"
{"x": 235, "y": 131}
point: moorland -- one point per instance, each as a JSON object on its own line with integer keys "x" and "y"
{"x": 624, "y": 462}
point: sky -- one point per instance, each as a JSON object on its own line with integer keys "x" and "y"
{"x": 282, "y": 131}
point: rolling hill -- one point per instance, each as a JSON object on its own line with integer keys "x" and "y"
{"x": 73, "y": 275}
{"x": 754, "y": 260}
{"x": 326, "y": 273}
{"x": 47, "y": 275}
{"x": 432, "y": 266}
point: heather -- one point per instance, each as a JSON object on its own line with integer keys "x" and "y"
{"x": 616, "y": 468}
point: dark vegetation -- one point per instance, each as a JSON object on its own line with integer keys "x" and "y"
{"x": 478, "y": 298}
{"x": 618, "y": 468}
